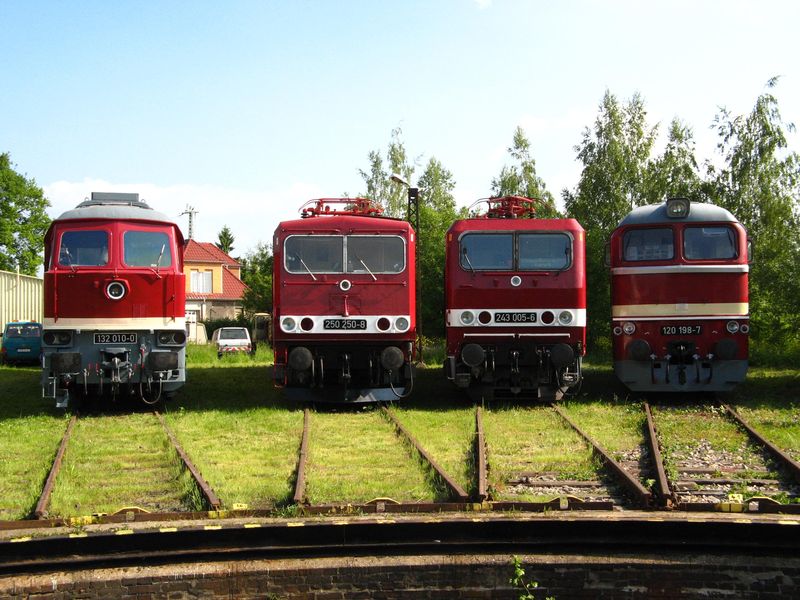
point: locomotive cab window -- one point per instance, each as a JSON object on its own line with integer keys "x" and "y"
{"x": 83, "y": 249}
{"x": 146, "y": 249}
{"x": 487, "y": 251}
{"x": 709, "y": 243}
{"x": 313, "y": 253}
{"x": 544, "y": 251}
{"x": 648, "y": 244}
{"x": 375, "y": 254}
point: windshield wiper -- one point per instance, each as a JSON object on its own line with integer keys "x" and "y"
{"x": 367, "y": 268}
{"x": 158, "y": 262}
{"x": 302, "y": 262}
{"x": 69, "y": 259}
{"x": 469, "y": 262}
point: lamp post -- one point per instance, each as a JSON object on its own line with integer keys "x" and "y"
{"x": 412, "y": 216}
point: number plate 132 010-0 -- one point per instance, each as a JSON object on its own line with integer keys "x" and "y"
{"x": 115, "y": 338}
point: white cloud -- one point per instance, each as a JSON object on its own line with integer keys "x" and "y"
{"x": 251, "y": 216}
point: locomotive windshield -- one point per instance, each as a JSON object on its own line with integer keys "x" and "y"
{"x": 516, "y": 251}
{"x": 705, "y": 243}
{"x": 339, "y": 254}
{"x": 648, "y": 244}
{"x": 83, "y": 249}
{"x": 147, "y": 249}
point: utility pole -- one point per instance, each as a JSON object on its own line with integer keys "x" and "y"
{"x": 191, "y": 212}
{"x": 412, "y": 216}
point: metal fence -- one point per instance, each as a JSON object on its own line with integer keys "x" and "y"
{"x": 20, "y": 298}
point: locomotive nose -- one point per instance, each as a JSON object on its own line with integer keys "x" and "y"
{"x": 300, "y": 358}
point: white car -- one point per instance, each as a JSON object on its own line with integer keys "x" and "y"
{"x": 232, "y": 339}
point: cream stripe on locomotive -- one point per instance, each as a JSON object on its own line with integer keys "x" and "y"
{"x": 714, "y": 310}
{"x": 660, "y": 269}
{"x": 121, "y": 324}
{"x": 516, "y": 317}
{"x": 337, "y": 324}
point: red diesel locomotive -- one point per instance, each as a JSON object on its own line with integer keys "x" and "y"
{"x": 344, "y": 322}
{"x": 679, "y": 298}
{"x": 114, "y": 303}
{"x": 515, "y": 302}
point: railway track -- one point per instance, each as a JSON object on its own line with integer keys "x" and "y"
{"x": 210, "y": 499}
{"x": 704, "y": 483}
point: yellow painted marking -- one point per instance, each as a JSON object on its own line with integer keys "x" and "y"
{"x": 476, "y": 520}
{"x": 252, "y": 525}
{"x": 124, "y": 532}
{"x": 168, "y": 529}
{"x": 743, "y": 521}
{"x": 295, "y": 524}
{"x": 787, "y": 522}
{"x": 386, "y": 521}
{"x": 27, "y": 538}
{"x": 341, "y": 522}
{"x": 212, "y": 527}
{"x": 239, "y": 506}
{"x": 739, "y": 309}
{"x": 81, "y": 534}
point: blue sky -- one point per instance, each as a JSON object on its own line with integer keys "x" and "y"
{"x": 247, "y": 109}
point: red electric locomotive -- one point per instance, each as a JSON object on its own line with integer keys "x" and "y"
{"x": 114, "y": 303}
{"x": 515, "y": 302}
{"x": 344, "y": 322}
{"x": 679, "y": 298}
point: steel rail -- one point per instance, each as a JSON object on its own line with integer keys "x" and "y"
{"x": 41, "y": 506}
{"x": 662, "y": 482}
{"x": 300, "y": 482}
{"x": 212, "y": 499}
{"x": 412, "y": 537}
{"x": 786, "y": 461}
{"x": 480, "y": 455}
{"x": 633, "y": 485}
{"x": 455, "y": 489}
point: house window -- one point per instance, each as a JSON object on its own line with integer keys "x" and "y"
{"x": 202, "y": 282}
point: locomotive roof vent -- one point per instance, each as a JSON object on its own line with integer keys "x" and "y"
{"x": 506, "y": 207}
{"x": 113, "y": 198}
{"x": 349, "y": 206}
{"x": 678, "y": 208}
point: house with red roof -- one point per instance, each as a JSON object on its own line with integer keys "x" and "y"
{"x": 214, "y": 288}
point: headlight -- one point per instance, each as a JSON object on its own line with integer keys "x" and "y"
{"x": 171, "y": 338}
{"x": 732, "y": 326}
{"x": 745, "y": 328}
{"x": 628, "y": 328}
{"x": 617, "y": 330}
{"x": 288, "y": 324}
{"x": 115, "y": 290}
{"x": 57, "y": 338}
{"x": 401, "y": 323}
{"x": 467, "y": 317}
{"x": 565, "y": 317}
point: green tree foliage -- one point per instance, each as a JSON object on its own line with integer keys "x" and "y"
{"x": 23, "y": 220}
{"x": 257, "y": 274}
{"x": 225, "y": 240}
{"x": 760, "y": 185}
{"x": 614, "y": 179}
{"x": 520, "y": 178}
{"x": 436, "y": 214}
{"x": 380, "y": 188}
{"x": 674, "y": 174}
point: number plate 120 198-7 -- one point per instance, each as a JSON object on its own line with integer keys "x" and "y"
{"x": 681, "y": 330}
{"x": 115, "y": 338}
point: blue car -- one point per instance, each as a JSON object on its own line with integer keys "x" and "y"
{"x": 22, "y": 342}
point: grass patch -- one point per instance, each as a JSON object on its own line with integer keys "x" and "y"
{"x": 357, "y": 457}
{"x": 617, "y": 426}
{"x": 247, "y": 456}
{"x": 119, "y": 461}
{"x": 533, "y": 440}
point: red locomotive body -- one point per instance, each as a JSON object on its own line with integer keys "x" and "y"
{"x": 344, "y": 323}
{"x": 679, "y": 298}
{"x": 114, "y": 302}
{"x": 515, "y": 302}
